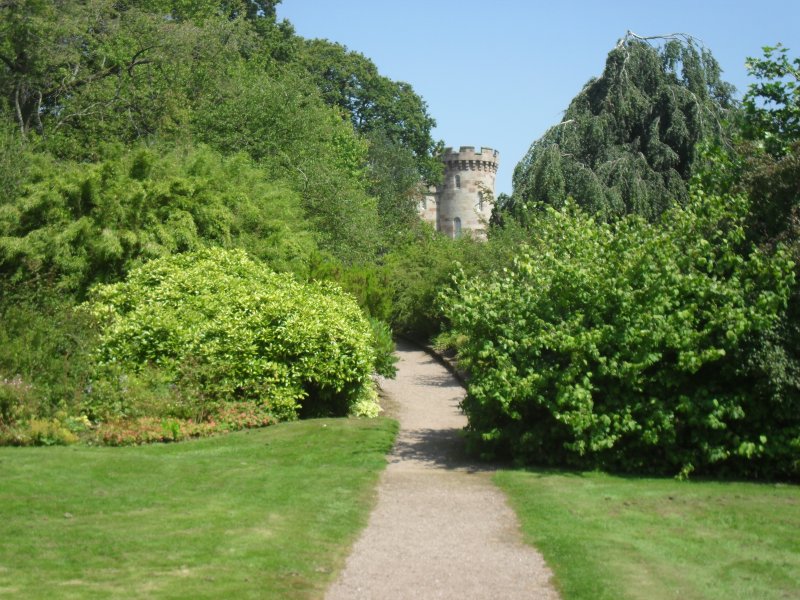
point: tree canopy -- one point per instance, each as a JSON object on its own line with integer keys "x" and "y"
{"x": 373, "y": 102}
{"x": 627, "y": 142}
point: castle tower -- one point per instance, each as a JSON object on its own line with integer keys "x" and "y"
{"x": 462, "y": 201}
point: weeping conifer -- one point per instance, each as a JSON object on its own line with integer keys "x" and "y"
{"x": 627, "y": 142}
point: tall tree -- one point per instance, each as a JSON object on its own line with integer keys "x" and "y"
{"x": 769, "y": 148}
{"x": 51, "y": 50}
{"x": 373, "y": 102}
{"x": 393, "y": 179}
{"x": 281, "y": 122}
{"x": 627, "y": 141}
{"x": 763, "y": 164}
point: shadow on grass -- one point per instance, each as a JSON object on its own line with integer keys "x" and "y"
{"x": 544, "y": 471}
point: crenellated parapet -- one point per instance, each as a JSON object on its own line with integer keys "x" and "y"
{"x": 468, "y": 159}
{"x": 462, "y": 203}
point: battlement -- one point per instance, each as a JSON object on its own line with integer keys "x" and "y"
{"x": 469, "y": 153}
{"x": 467, "y": 159}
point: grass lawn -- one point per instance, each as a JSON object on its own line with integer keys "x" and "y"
{"x": 266, "y": 513}
{"x": 615, "y": 537}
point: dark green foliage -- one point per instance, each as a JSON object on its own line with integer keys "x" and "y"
{"x": 78, "y": 73}
{"x": 374, "y": 103}
{"x": 764, "y": 164}
{"x": 627, "y": 141}
{"x": 71, "y": 68}
{"x": 623, "y": 346}
{"x": 15, "y": 159}
{"x": 122, "y": 72}
{"x": 281, "y": 122}
{"x": 425, "y": 264}
{"x": 198, "y": 10}
{"x": 77, "y": 224}
{"x": 368, "y": 283}
{"x": 419, "y": 270}
{"x": 45, "y": 347}
{"x": 764, "y": 159}
{"x": 395, "y": 181}
{"x": 383, "y": 343}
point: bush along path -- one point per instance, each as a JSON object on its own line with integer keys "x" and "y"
{"x": 440, "y": 528}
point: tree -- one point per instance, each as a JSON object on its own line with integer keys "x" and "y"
{"x": 373, "y": 102}
{"x": 281, "y": 122}
{"x": 51, "y": 50}
{"x": 763, "y": 163}
{"x": 769, "y": 145}
{"x": 198, "y": 10}
{"x": 772, "y": 104}
{"x": 81, "y": 74}
{"x": 627, "y": 141}
{"x": 394, "y": 180}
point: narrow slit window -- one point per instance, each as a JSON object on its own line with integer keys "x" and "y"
{"x": 458, "y": 182}
{"x": 457, "y": 226}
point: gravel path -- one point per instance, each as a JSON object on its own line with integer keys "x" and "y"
{"x": 440, "y": 528}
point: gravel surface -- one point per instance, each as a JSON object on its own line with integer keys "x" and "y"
{"x": 440, "y": 528}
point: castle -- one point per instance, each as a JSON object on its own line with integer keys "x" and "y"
{"x": 463, "y": 202}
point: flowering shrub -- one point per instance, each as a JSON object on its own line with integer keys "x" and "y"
{"x": 63, "y": 429}
{"x": 146, "y": 430}
{"x": 15, "y": 397}
{"x": 241, "y": 415}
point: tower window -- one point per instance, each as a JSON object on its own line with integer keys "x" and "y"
{"x": 480, "y": 201}
{"x": 457, "y": 227}
{"x": 458, "y": 182}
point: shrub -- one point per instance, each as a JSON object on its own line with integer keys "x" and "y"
{"x": 419, "y": 270}
{"x": 369, "y": 284}
{"x": 84, "y": 223}
{"x": 45, "y": 347}
{"x": 385, "y": 359}
{"x": 220, "y": 327}
{"x": 15, "y": 400}
{"x": 59, "y": 430}
{"x": 623, "y": 346}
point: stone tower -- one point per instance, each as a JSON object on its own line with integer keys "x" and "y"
{"x": 461, "y": 204}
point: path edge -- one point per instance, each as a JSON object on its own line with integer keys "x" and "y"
{"x": 448, "y": 362}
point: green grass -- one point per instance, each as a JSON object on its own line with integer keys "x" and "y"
{"x": 266, "y": 513}
{"x": 616, "y": 538}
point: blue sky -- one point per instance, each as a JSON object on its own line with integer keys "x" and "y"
{"x": 499, "y": 74}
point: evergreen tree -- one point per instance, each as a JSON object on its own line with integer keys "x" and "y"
{"x": 627, "y": 141}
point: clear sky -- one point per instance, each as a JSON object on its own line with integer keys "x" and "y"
{"x": 499, "y": 74}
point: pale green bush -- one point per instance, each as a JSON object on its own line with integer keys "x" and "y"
{"x": 221, "y": 326}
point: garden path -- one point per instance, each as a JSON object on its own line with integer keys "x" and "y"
{"x": 440, "y": 528}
